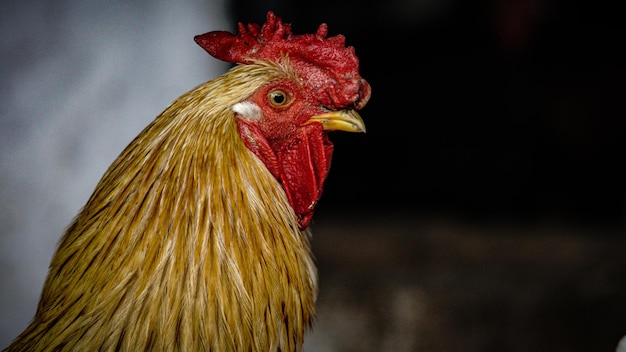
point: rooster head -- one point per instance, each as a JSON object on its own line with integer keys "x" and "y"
{"x": 286, "y": 121}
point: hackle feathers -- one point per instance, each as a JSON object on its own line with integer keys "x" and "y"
{"x": 186, "y": 241}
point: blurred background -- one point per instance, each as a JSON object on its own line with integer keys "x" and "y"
{"x": 483, "y": 210}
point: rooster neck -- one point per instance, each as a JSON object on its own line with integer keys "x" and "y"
{"x": 188, "y": 243}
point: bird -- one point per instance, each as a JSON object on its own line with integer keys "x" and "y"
{"x": 197, "y": 237}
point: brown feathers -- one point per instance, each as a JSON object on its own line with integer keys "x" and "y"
{"x": 187, "y": 244}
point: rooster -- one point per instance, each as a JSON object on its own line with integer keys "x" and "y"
{"x": 197, "y": 236}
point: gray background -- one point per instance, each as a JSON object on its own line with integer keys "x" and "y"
{"x": 79, "y": 81}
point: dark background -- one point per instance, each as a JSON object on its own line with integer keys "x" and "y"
{"x": 504, "y": 107}
{"x": 484, "y": 209}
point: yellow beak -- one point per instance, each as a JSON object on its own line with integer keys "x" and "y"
{"x": 340, "y": 120}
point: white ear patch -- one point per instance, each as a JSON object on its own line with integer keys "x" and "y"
{"x": 247, "y": 110}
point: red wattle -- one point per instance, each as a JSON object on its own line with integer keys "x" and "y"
{"x": 300, "y": 164}
{"x": 305, "y": 163}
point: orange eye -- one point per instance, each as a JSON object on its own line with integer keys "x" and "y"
{"x": 278, "y": 97}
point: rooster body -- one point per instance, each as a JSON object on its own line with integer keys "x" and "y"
{"x": 196, "y": 238}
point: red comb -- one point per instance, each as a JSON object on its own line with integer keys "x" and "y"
{"x": 327, "y": 68}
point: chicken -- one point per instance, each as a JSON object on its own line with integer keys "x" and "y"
{"x": 197, "y": 237}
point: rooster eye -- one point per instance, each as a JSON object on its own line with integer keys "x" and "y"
{"x": 278, "y": 97}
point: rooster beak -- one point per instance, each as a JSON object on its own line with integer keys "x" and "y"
{"x": 339, "y": 120}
